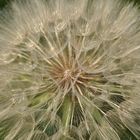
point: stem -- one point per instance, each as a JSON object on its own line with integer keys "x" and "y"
{"x": 67, "y": 112}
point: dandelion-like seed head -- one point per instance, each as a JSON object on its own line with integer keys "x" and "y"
{"x": 69, "y": 70}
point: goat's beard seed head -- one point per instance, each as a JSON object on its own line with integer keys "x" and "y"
{"x": 70, "y": 70}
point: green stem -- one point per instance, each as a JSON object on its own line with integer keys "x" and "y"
{"x": 67, "y": 112}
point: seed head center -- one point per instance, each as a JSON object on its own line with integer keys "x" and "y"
{"x": 67, "y": 74}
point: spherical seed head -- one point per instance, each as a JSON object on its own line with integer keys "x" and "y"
{"x": 69, "y": 70}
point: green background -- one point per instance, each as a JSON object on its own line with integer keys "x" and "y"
{"x": 3, "y": 3}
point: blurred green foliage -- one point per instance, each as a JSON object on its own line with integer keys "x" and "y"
{"x": 3, "y": 3}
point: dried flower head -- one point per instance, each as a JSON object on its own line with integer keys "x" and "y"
{"x": 70, "y": 70}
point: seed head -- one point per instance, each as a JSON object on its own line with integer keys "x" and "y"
{"x": 69, "y": 70}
